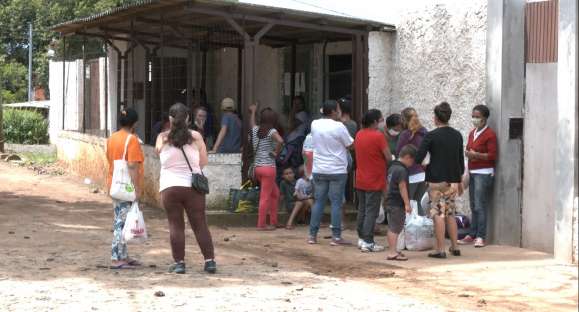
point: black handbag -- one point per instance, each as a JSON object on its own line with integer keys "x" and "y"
{"x": 199, "y": 181}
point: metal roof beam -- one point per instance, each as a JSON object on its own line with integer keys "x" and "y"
{"x": 275, "y": 21}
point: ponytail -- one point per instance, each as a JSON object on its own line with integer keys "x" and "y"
{"x": 179, "y": 135}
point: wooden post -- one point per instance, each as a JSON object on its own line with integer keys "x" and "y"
{"x": 189, "y": 95}
{"x": 1, "y": 125}
{"x": 63, "y": 80}
{"x": 106, "y": 90}
{"x": 84, "y": 110}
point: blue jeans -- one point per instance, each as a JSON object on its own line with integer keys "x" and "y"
{"x": 328, "y": 186}
{"x": 119, "y": 248}
{"x": 480, "y": 192}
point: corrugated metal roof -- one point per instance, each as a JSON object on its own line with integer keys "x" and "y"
{"x": 69, "y": 26}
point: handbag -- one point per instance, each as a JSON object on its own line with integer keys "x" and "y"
{"x": 198, "y": 181}
{"x": 122, "y": 187}
{"x": 251, "y": 170}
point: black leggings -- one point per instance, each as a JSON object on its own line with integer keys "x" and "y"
{"x": 177, "y": 199}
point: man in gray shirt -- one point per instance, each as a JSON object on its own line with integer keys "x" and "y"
{"x": 229, "y": 138}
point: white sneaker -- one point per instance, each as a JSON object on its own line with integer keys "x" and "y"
{"x": 371, "y": 247}
{"x": 479, "y": 242}
{"x": 360, "y": 243}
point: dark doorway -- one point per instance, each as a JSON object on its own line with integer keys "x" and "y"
{"x": 170, "y": 83}
{"x": 339, "y": 76}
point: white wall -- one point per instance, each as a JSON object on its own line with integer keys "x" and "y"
{"x": 539, "y": 164}
{"x": 73, "y": 90}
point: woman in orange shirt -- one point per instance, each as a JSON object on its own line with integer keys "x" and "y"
{"x": 134, "y": 155}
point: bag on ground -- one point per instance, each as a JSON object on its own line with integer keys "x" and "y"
{"x": 122, "y": 187}
{"x": 245, "y": 199}
{"x": 419, "y": 230}
{"x": 135, "y": 230}
{"x": 401, "y": 244}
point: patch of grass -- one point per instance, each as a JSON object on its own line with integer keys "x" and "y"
{"x": 41, "y": 159}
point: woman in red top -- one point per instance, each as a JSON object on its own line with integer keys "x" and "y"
{"x": 481, "y": 151}
{"x": 372, "y": 154}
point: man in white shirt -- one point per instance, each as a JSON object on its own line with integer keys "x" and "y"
{"x": 331, "y": 141}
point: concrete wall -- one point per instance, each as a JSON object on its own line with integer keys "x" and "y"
{"x": 85, "y": 155}
{"x": 539, "y": 164}
{"x": 437, "y": 54}
{"x": 567, "y": 132}
{"x": 505, "y": 77}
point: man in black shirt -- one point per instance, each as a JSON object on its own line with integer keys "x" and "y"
{"x": 443, "y": 174}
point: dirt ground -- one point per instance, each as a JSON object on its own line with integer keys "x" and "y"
{"x": 55, "y": 251}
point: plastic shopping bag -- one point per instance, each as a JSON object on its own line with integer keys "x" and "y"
{"x": 122, "y": 187}
{"x": 381, "y": 215}
{"x": 425, "y": 203}
{"x": 135, "y": 230}
{"x": 418, "y": 231}
{"x": 401, "y": 243}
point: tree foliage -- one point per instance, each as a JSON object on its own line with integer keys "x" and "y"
{"x": 15, "y": 15}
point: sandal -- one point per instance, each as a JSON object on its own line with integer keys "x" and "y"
{"x": 455, "y": 252}
{"x": 397, "y": 257}
{"x": 289, "y": 227}
{"x": 134, "y": 262}
{"x": 437, "y": 255}
{"x": 122, "y": 266}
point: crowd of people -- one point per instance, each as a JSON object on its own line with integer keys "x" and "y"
{"x": 391, "y": 161}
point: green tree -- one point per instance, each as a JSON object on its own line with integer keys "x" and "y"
{"x": 13, "y": 83}
{"x": 43, "y": 14}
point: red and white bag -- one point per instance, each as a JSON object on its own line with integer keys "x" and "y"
{"x": 135, "y": 230}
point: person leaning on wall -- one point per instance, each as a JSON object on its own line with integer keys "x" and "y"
{"x": 481, "y": 151}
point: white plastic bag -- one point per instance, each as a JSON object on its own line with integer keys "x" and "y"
{"x": 381, "y": 215}
{"x": 418, "y": 230}
{"x": 425, "y": 203}
{"x": 135, "y": 230}
{"x": 122, "y": 187}
{"x": 401, "y": 243}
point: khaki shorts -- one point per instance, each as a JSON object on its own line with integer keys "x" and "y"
{"x": 441, "y": 199}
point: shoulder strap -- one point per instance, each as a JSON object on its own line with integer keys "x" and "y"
{"x": 187, "y": 160}
{"x": 126, "y": 146}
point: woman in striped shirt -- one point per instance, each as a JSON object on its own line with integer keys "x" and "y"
{"x": 266, "y": 145}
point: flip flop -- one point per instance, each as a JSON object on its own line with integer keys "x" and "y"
{"x": 134, "y": 262}
{"x": 123, "y": 266}
{"x": 289, "y": 227}
{"x": 398, "y": 257}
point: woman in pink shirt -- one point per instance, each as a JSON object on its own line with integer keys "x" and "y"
{"x": 182, "y": 152}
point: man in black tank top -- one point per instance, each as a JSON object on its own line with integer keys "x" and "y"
{"x": 443, "y": 174}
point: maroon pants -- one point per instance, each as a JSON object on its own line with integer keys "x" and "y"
{"x": 177, "y": 199}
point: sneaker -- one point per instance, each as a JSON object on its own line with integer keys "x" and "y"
{"x": 339, "y": 242}
{"x": 479, "y": 242}
{"x": 177, "y": 268}
{"x": 373, "y": 247}
{"x": 467, "y": 240}
{"x": 360, "y": 243}
{"x": 312, "y": 240}
{"x": 210, "y": 267}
